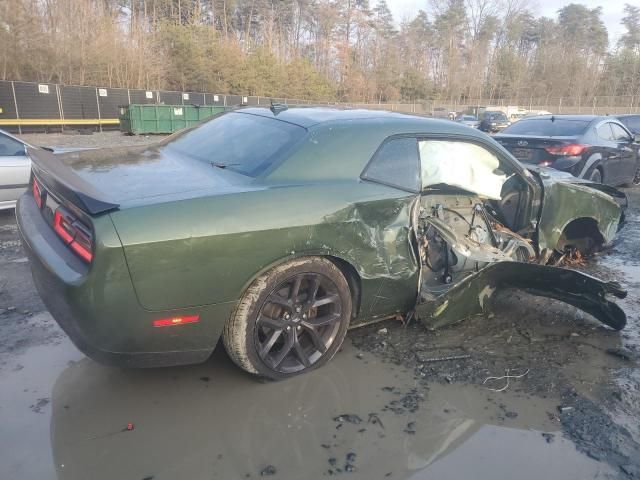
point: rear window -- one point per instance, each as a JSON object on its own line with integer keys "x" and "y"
{"x": 245, "y": 143}
{"x": 547, "y": 128}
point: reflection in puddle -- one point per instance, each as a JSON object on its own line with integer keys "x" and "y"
{"x": 212, "y": 421}
{"x": 26, "y": 382}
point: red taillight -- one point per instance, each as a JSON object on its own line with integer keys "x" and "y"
{"x": 73, "y": 233}
{"x": 37, "y": 194}
{"x": 63, "y": 226}
{"x": 572, "y": 150}
{"x": 174, "y": 321}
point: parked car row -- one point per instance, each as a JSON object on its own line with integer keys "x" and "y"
{"x": 489, "y": 121}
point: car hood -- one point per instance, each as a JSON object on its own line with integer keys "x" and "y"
{"x": 103, "y": 179}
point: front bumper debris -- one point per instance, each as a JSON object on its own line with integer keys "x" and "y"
{"x": 469, "y": 296}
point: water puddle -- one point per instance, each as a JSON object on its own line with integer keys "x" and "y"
{"x": 212, "y": 421}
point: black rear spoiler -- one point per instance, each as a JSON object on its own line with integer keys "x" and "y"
{"x": 63, "y": 181}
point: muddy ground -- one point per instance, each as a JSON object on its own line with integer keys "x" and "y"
{"x": 390, "y": 405}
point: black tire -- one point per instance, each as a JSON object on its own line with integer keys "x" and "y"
{"x": 596, "y": 175}
{"x": 277, "y": 333}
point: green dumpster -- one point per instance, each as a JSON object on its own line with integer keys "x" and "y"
{"x": 142, "y": 119}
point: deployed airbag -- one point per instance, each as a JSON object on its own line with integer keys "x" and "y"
{"x": 461, "y": 164}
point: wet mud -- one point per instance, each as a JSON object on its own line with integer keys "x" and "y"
{"x": 535, "y": 390}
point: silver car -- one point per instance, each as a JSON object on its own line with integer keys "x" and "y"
{"x": 15, "y": 168}
{"x": 470, "y": 120}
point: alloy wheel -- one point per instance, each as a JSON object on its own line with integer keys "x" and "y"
{"x": 298, "y": 322}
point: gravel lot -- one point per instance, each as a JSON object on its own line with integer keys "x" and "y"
{"x": 388, "y": 405}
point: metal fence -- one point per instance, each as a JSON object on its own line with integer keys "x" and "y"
{"x": 29, "y": 106}
{"x": 601, "y": 105}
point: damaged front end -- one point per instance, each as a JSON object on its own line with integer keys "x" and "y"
{"x": 467, "y": 254}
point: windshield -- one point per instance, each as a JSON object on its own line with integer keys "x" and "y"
{"x": 496, "y": 116}
{"x": 547, "y": 127}
{"x": 241, "y": 142}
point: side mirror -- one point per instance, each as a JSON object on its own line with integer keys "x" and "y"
{"x": 636, "y": 138}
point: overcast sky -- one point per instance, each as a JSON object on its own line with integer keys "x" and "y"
{"x": 611, "y": 10}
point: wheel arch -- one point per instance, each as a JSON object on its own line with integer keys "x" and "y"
{"x": 346, "y": 267}
{"x": 593, "y": 162}
{"x": 583, "y": 233}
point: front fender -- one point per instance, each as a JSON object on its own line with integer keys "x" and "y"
{"x": 564, "y": 202}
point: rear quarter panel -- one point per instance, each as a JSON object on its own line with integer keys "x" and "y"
{"x": 208, "y": 250}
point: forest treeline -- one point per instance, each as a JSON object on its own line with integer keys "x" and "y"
{"x": 349, "y": 50}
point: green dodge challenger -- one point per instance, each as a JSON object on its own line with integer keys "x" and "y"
{"x": 277, "y": 229}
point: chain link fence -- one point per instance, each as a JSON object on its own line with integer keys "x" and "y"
{"x": 29, "y": 106}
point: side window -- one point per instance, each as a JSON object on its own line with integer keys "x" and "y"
{"x": 396, "y": 163}
{"x": 604, "y": 132}
{"x": 619, "y": 133}
{"x": 10, "y": 147}
{"x": 460, "y": 164}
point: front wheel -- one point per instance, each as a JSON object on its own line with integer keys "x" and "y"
{"x": 290, "y": 320}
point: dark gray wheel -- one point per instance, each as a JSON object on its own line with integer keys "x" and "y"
{"x": 290, "y": 320}
{"x": 596, "y": 176}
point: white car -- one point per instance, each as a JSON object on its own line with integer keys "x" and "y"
{"x": 15, "y": 168}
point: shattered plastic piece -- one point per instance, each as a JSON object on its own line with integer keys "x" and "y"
{"x": 549, "y": 437}
{"x": 349, "y": 418}
{"x": 621, "y": 352}
{"x": 411, "y": 428}
{"x": 268, "y": 471}
{"x": 444, "y": 359}
{"x": 130, "y": 426}
{"x": 383, "y": 331}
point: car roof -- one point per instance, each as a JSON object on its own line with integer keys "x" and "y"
{"x": 355, "y": 135}
{"x": 583, "y": 118}
{"x": 310, "y": 116}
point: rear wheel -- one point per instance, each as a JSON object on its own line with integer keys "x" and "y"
{"x": 596, "y": 176}
{"x": 290, "y": 320}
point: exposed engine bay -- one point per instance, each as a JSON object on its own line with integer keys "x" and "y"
{"x": 466, "y": 254}
{"x": 459, "y": 235}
